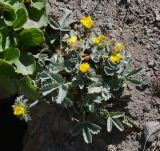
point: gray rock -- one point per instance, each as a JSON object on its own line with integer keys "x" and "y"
{"x": 148, "y": 46}
{"x": 156, "y": 68}
{"x": 158, "y": 42}
{"x": 151, "y": 130}
{"x": 157, "y": 24}
{"x": 157, "y": 16}
{"x": 151, "y": 63}
{"x": 66, "y": 1}
{"x": 109, "y": 26}
{"x": 151, "y": 39}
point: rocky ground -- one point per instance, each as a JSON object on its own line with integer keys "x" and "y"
{"x": 137, "y": 24}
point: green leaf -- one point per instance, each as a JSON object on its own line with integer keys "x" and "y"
{"x": 128, "y": 65}
{"x": 62, "y": 92}
{"x": 135, "y": 72}
{"x": 37, "y": 18}
{"x": 67, "y": 102}
{"x": 96, "y": 55}
{"x": 56, "y": 65}
{"x": 2, "y": 23}
{"x": 110, "y": 68}
{"x": 109, "y": 124}
{"x": 29, "y": 62}
{"x": 73, "y": 60}
{"x": 77, "y": 129}
{"x": 117, "y": 114}
{"x": 78, "y": 82}
{"x": 118, "y": 124}
{"x": 48, "y": 88}
{"x": 106, "y": 94}
{"x": 87, "y": 134}
{"x": 38, "y": 4}
{"x": 6, "y": 69}
{"x": 87, "y": 129}
{"x": 66, "y": 19}
{"x": 22, "y": 17}
{"x": 109, "y": 71}
{"x": 52, "y": 84}
{"x": 8, "y": 84}
{"x": 12, "y": 56}
{"x": 30, "y": 37}
{"x": 8, "y": 12}
{"x": 95, "y": 129}
{"x": 54, "y": 25}
{"x": 28, "y": 88}
{"x": 4, "y": 38}
{"x": 115, "y": 83}
{"x": 135, "y": 82}
{"x": 14, "y": 2}
{"x": 92, "y": 90}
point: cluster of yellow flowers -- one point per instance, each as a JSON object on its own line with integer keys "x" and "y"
{"x": 99, "y": 39}
{"x": 116, "y": 56}
{"x": 73, "y": 41}
{"x": 87, "y": 22}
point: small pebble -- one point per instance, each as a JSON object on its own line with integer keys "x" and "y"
{"x": 151, "y": 130}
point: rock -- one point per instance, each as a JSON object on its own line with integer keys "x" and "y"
{"x": 128, "y": 1}
{"x": 157, "y": 24}
{"x": 151, "y": 63}
{"x": 140, "y": 1}
{"x": 111, "y": 147}
{"x": 109, "y": 26}
{"x": 151, "y": 130}
{"x": 148, "y": 46}
{"x": 156, "y": 68}
{"x": 158, "y": 42}
{"x": 151, "y": 39}
{"x": 66, "y": 1}
{"x": 148, "y": 31}
{"x": 157, "y": 15}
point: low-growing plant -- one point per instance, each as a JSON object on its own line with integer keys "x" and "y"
{"x": 84, "y": 73}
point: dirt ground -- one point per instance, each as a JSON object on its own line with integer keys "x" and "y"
{"x": 137, "y": 24}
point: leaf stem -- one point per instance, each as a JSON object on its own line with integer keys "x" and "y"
{"x": 68, "y": 83}
{"x": 60, "y": 39}
{"x": 34, "y": 103}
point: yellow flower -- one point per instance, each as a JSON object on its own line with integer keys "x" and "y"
{"x": 84, "y": 67}
{"x": 19, "y": 110}
{"x": 99, "y": 39}
{"x": 87, "y": 22}
{"x": 74, "y": 43}
{"x": 116, "y": 58}
{"x": 119, "y": 47}
{"x": 71, "y": 41}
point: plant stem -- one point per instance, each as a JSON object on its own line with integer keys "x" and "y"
{"x": 34, "y": 103}
{"x": 60, "y": 39}
{"x": 69, "y": 83}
